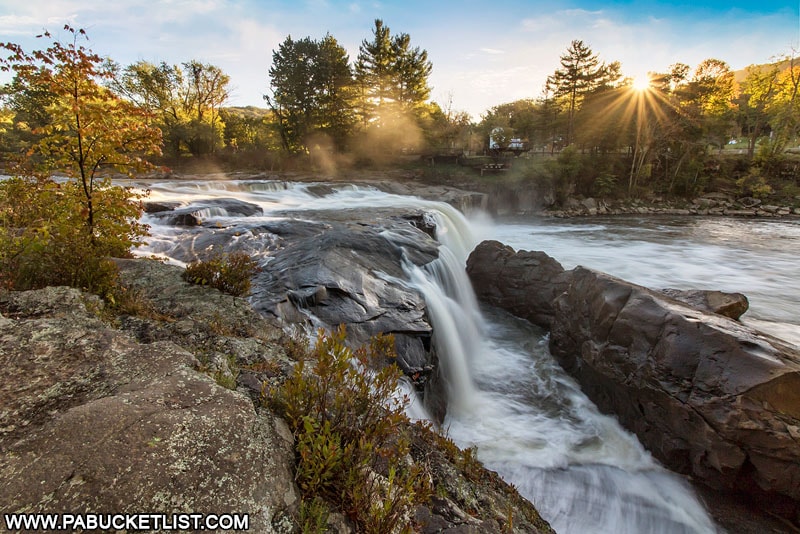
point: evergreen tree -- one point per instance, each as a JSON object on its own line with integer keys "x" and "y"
{"x": 335, "y": 92}
{"x": 292, "y": 98}
{"x": 411, "y": 72}
{"x": 312, "y": 91}
{"x": 581, "y": 72}
{"x": 393, "y": 76}
{"x": 374, "y": 68}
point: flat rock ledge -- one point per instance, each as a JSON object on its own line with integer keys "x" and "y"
{"x": 93, "y": 421}
{"x": 708, "y": 396}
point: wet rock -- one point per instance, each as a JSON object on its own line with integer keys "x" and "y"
{"x": 197, "y": 212}
{"x": 707, "y": 395}
{"x": 732, "y": 305}
{"x": 347, "y": 270}
{"x": 524, "y": 283}
{"x": 158, "y": 207}
{"x": 424, "y": 223}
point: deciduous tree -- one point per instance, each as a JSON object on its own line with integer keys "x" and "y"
{"x": 784, "y": 109}
{"x": 757, "y": 93}
{"x": 185, "y": 101}
{"x": 86, "y": 130}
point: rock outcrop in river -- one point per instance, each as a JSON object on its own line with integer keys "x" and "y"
{"x": 705, "y": 394}
{"x": 325, "y": 267}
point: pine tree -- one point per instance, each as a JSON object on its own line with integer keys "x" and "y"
{"x": 312, "y": 91}
{"x": 392, "y": 75}
{"x": 581, "y": 72}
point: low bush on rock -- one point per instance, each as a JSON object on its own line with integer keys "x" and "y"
{"x": 230, "y": 273}
{"x": 352, "y": 437}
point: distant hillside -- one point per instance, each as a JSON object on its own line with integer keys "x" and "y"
{"x": 740, "y": 75}
{"x": 249, "y": 112}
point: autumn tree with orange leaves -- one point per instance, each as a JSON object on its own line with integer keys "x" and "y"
{"x": 56, "y": 230}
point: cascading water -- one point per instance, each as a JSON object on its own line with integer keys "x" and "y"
{"x": 531, "y": 423}
{"x": 506, "y": 395}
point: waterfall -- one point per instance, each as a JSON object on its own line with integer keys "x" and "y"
{"x": 506, "y": 394}
{"x": 530, "y": 422}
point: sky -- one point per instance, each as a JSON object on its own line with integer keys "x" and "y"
{"x": 483, "y": 53}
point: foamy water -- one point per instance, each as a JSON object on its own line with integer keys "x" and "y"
{"x": 529, "y": 420}
{"x": 754, "y": 257}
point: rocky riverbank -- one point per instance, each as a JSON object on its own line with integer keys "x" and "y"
{"x": 711, "y": 204}
{"x": 706, "y": 395}
{"x": 159, "y": 411}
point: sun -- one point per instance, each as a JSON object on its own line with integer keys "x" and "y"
{"x": 641, "y": 82}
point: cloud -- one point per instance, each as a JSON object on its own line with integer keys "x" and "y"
{"x": 483, "y": 61}
{"x": 31, "y": 23}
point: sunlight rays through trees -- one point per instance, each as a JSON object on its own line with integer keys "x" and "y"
{"x": 653, "y": 132}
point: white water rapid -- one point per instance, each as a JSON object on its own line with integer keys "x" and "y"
{"x": 507, "y": 396}
{"x": 531, "y": 423}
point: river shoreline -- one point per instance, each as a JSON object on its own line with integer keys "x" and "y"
{"x": 510, "y": 197}
{"x": 714, "y": 204}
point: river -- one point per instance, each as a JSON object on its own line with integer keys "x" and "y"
{"x": 541, "y": 433}
{"x": 756, "y": 257}
{"x": 508, "y": 398}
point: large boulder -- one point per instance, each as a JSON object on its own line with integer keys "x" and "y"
{"x": 707, "y": 395}
{"x": 93, "y": 421}
{"x": 525, "y": 283}
{"x": 347, "y": 273}
{"x": 349, "y": 270}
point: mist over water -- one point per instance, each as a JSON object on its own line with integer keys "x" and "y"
{"x": 507, "y": 396}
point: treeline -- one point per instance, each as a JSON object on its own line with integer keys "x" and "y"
{"x": 664, "y": 134}
{"x": 319, "y": 103}
{"x": 612, "y": 134}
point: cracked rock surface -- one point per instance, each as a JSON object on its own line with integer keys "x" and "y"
{"x": 92, "y": 420}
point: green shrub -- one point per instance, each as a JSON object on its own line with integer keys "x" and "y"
{"x": 45, "y": 241}
{"x": 313, "y": 516}
{"x": 230, "y": 273}
{"x": 754, "y": 185}
{"x": 605, "y": 184}
{"x": 352, "y": 437}
{"x": 790, "y": 193}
